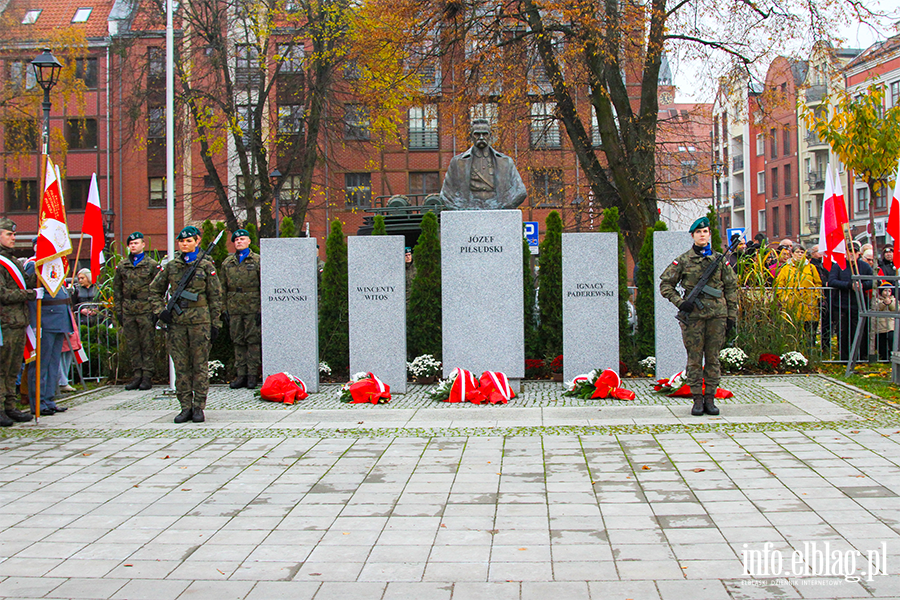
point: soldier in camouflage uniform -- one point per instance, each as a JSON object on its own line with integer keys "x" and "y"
{"x": 240, "y": 283}
{"x": 15, "y": 293}
{"x": 710, "y": 319}
{"x": 190, "y": 333}
{"x": 134, "y": 309}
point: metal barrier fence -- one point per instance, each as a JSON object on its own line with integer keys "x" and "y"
{"x": 98, "y": 338}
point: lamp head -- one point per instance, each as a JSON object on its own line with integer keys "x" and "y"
{"x": 46, "y": 69}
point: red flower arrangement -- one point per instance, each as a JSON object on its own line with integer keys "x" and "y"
{"x": 556, "y": 365}
{"x": 674, "y": 387}
{"x": 769, "y": 361}
{"x": 534, "y": 368}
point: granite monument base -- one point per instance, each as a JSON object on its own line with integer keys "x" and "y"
{"x": 290, "y": 320}
{"x": 671, "y": 356}
{"x": 377, "y": 302}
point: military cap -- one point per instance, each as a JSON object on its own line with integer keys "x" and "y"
{"x": 239, "y": 233}
{"x": 137, "y": 235}
{"x": 189, "y": 231}
{"x": 7, "y": 224}
{"x": 699, "y": 224}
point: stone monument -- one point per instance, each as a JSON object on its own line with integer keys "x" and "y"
{"x": 590, "y": 286}
{"x": 481, "y": 288}
{"x": 377, "y": 303}
{"x": 671, "y": 356}
{"x": 482, "y": 178}
{"x": 290, "y": 313}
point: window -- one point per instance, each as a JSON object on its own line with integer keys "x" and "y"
{"x": 424, "y": 183}
{"x": 247, "y": 71}
{"x": 596, "y": 141}
{"x": 760, "y": 144}
{"x": 31, "y": 17}
{"x": 786, "y": 134}
{"x": 22, "y": 197}
{"x": 761, "y": 220}
{"x": 156, "y": 64}
{"x": 246, "y": 122}
{"x": 290, "y": 190}
{"x": 290, "y": 119}
{"x": 487, "y": 110}
{"x": 290, "y": 58}
{"x": 774, "y": 182}
{"x": 895, "y": 93}
{"x": 20, "y": 74}
{"x": 423, "y": 127}
{"x": 77, "y": 193}
{"x": 157, "y": 192}
{"x": 775, "y": 222}
{"x": 774, "y": 134}
{"x": 862, "y": 200}
{"x": 156, "y": 122}
{"x": 544, "y": 126}
{"x": 356, "y": 122}
{"x": 788, "y": 220}
{"x": 86, "y": 71}
{"x": 689, "y": 172}
{"x": 787, "y": 181}
{"x": 761, "y": 183}
{"x": 881, "y": 197}
{"x": 20, "y": 135}
{"x": 547, "y": 187}
{"x": 81, "y": 134}
{"x": 82, "y": 15}
{"x": 359, "y": 189}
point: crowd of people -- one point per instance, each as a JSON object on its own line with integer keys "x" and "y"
{"x": 825, "y": 300}
{"x": 143, "y": 293}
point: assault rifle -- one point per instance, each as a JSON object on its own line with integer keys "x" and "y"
{"x": 702, "y": 284}
{"x": 173, "y": 306}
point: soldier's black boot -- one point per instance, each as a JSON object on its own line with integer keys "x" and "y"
{"x": 198, "y": 417}
{"x": 238, "y": 382}
{"x": 184, "y": 416}
{"x": 5, "y": 421}
{"x": 134, "y": 383}
{"x": 18, "y": 416}
{"x": 252, "y": 382}
{"x": 709, "y": 405}
{"x": 697, "y": 409}
{"x": 146, "y": 382}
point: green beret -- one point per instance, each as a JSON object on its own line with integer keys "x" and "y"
{"x": 137, "y": 235}
{"x": 699, "y": 224}
{"x": 239, "y": 233}
{"x": 7, "y": 224}
{"x": 189, "y": 231}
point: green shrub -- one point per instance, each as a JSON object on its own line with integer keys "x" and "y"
{"x": 610, "y": 224}
{"x": 423, "y": 324}
{"x": 334, "y": 324}
{"x": 379, "y": 228}
{"x": 550, "y": 292}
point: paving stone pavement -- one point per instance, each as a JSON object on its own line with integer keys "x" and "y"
{"x": 547, "y": 497}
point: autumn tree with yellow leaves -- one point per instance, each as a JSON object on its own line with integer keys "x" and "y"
{"x": 591, "y": 66}
{"x": 865, "y": 137}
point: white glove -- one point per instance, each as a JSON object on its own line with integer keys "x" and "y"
{"x": 39, "y": 293}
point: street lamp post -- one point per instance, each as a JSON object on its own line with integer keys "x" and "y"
{"x": 46, "y": 71}
{"x": 274, "y": 176}
{"x": 718, "y": 168}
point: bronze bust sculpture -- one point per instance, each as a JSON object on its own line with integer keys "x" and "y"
{"x": 482, "y": 178}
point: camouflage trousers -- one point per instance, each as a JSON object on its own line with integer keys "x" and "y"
{"x": 246, "y": 339}
{"x": 140, "y": 337}
{"x": 703, "y": 339}
{"x": 188, "y": 345}
{"x": 11, "y": 357}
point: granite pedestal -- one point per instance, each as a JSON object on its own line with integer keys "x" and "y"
{"x": 377, "y": 301}
{"x": 290, "y": 320}
{"x": 481, "y": 282}
{"x": 671, "y": 356}
{"x": 590, "y": 303}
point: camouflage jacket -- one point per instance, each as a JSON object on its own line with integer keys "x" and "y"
{"x": 13, "y": 300}
{"x": 131, "y": 285}
{"x": 208, "y": 306}
{"x": 687, "y": 270}
{"x": 240, "y": 282}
